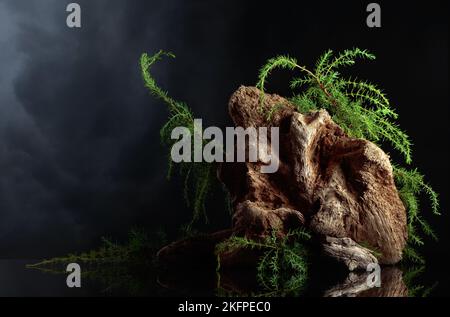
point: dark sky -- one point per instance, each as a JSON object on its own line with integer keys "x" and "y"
{"x": 80, "y": 155}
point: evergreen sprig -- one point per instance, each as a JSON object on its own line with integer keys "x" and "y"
{"x": 111, "y": 252}
{"x": 359, "y": 107}
{"x": 115, "y": 266}
{"x": 282, "y": 268}
{"x": 411, "y": 185}
{"x": 198, "y": 176}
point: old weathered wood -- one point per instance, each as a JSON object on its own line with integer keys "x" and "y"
{"x": 348, "y": 252}
{"x": 334, "y": 185}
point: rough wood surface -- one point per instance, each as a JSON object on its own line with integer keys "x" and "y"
{"x": 334, "y": 185}
{"x": 347, "y": 251}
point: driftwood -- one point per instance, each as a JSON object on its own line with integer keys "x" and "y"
{"x": 347, "y": 251}
{"x": 340, "y": 188}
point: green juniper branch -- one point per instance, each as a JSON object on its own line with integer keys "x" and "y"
{"x": 349, "y": 102}
{"x": 110, "y": 252}
{"x": 282, "y": 268}
{"x": 198, "y": 176}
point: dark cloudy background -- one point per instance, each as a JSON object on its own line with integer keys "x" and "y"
{"x": 79, "y": 144}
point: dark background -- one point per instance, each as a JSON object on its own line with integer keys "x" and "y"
{"x": 80, "y": 155}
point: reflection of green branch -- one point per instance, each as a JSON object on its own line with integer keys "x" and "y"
{"x": 293, "y": 287}
{"x": 110, "y": 276}
{"x": 410, "y": 276}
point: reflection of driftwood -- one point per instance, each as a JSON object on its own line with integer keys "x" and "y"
{"x": 356, "y": 285}
{"x": 242, "y": 282}
{"x": 189, "y": 282}
{"x": 350, "y": 253}
{"x": 334, "y": 185}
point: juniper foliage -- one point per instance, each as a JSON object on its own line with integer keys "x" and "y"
{"x": 198, "y": 176}
{"x": 283, "y": 267}
{"x": 114, "y": 266}
{"x": 359, "y": 107}
{"x": 139, "y": 243}
{"x": 411, "y": 185}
